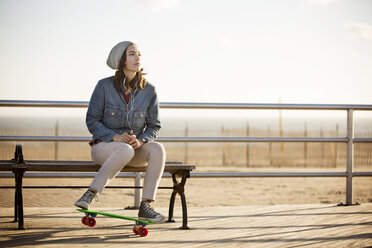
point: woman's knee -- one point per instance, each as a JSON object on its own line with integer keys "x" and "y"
{"x": 157, "y": 148}
{"x": 125, "y": 151}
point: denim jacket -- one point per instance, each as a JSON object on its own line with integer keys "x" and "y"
{"x": 108, "y": 113}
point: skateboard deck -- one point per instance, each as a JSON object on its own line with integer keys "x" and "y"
{"x": 139, "y": 228}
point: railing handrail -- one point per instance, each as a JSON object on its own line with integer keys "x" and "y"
{"x": 193, "y": 139}
{"x": 191, "y": 105}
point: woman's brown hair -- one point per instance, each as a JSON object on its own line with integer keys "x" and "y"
{"x": 120, "y": 75}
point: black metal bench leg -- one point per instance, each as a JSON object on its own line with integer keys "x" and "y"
{"x": 15, "y": 204}
{"x": 18, "y": 204}
{"x": 179, "y": 188}
{"x": 171, "y": 207}
{"x": 184, "y": 213}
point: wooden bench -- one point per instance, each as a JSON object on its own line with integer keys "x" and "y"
{"x": 180, "y": 172}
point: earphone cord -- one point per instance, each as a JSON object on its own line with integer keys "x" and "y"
{"x": 131, "y": 102}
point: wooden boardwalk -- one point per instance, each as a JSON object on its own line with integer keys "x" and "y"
{"x": 242, "y": 226}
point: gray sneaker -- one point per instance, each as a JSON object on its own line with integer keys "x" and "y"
{"x": 86, "y": 199}
{"x": 146, "y": 212}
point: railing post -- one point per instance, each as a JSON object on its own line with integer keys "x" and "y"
{"x": 137, "y": 191}
{"x": 350, "y": 157}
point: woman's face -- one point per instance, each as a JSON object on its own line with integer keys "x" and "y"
{"x": 133, "y": 60}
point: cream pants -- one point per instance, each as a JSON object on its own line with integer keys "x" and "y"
{"x": 113, "y": 156}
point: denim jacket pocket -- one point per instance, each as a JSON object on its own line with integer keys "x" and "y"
{"x": 139, "y": 120}
{"x": 113, "y": 117}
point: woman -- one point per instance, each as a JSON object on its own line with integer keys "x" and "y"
{"x": 123, "y": 118}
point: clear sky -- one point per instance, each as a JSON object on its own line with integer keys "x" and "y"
{"x": 252, "y": 51}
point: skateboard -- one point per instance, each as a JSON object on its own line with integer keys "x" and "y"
{"x": 139, "y": 228}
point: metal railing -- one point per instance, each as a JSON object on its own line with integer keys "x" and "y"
{"x": 349, "y": 139}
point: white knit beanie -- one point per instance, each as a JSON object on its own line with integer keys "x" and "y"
{"x": 116, "y": 53}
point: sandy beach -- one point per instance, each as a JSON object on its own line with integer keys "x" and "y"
{"x": 203, "y": 192}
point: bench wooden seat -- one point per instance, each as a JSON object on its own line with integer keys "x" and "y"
{"x": 179, "y": 171}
